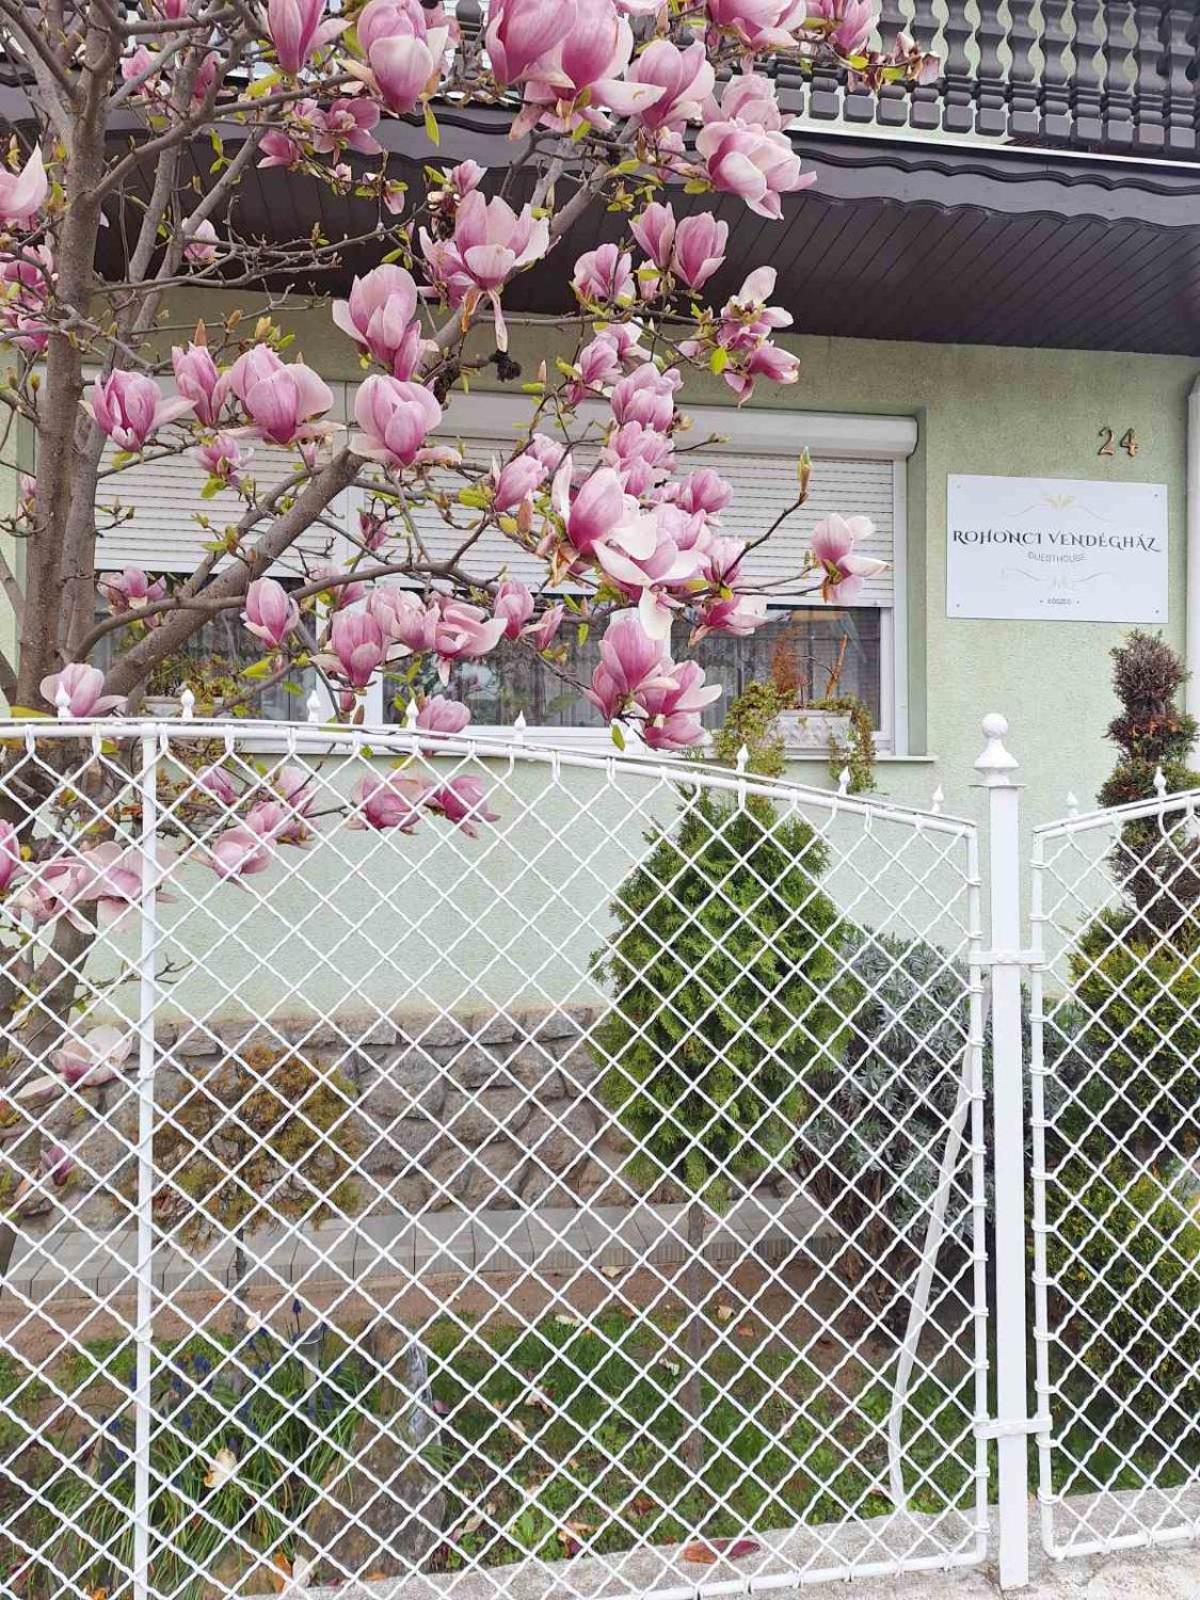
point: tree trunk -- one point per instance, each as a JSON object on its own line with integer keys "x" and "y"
{"x": 695, "y": 1279}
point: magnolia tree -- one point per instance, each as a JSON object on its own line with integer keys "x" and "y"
{"x": 622, "y": 104}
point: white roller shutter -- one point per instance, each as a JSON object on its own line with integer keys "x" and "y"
{"x": 763, "y": 487}
{"x": 164, "y": 496}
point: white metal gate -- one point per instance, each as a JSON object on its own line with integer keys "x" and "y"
{"x": 432, "y": 1161}
{"x": 1115, "y": 1075}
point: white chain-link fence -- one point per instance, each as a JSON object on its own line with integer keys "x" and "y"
{"x": 424, "y": 1159}
{"x": 436, "y": 1166}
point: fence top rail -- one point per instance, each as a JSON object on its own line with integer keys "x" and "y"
{"x": 337, "y": 739}
{"x": 1182, "y": 800}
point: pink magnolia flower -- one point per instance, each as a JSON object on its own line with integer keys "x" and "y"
{"x": 83, "y": 687}
{"x": 112, "y": 878}
{"x": 521, "y": 32}
{"x": 604, "y": 276}
{"x": 298, "y": 29}
{"x": 853, "y": 22}
{"x": 584, "y": 72}
{"x": 491, "y": 241}
{"x": 654, "y": 230}
{"x": 648, "y": 578}
{"x": 757, "y": 166}
{"x": 699, "y": 248}
{"x": 750, "y": 99}
{"x": 26, "y": 281}
{"x": 640, "y": 455}
{"x": 514, "y": 605}
{"x": 130, "y": 408}
{"x": 464, "y": 178}
{"x": 201, "y": 247}
{"x": 215, "y": 781}
{"x": 462, "y": 801}
{"x": 355, "y": 648}
{"x": 702, "y": 490}
{"x": 596, "y": 508}
{"x": 544, "y": 631}
{"x": 300, "y": 794}
{"x": 386, "y": 802}
{"x": 395, "y": 418}
{"x": 94, "y": 1058}
{"x": 222, "y": 457}
{"x": 685, "y": 77}
{"x": 832, "y": 546}
{"x": 281, "y": 401}
{"x": 756, "y": 21}
{"x": 647, "y": 396}
{"x": 404, "y": 618}
{"x": 347, "y": 125}
{"x": 130, "y": 590}
{"x": 24, "y": 193}
{"x": 278, "y": 149}
{"x": 516, "y": 480}
{"x": 630, "y": 660}
{"x": 270, "y": 612}
{"x": 768, "y": 361}
{"x": 10, "y": 855}
{"x": 439, "y": 715}
{"x": 196, "y": 378}
{"x": 52, "y": 891}
{"x": 672, "y": 707}
{"x": 462, "y": 632}
{"x": 380, "y": 315}
{"x": 239, "y": 852}
{"x": 403, "y": 45}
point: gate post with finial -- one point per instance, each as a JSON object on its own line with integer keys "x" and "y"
{"x": 997, "y": 769}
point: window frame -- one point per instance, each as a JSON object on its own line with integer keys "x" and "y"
{"x": 757, "y": 431}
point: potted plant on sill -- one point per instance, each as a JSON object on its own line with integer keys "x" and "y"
{"x": 837, "y": 725}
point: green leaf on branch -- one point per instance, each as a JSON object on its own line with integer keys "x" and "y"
{"x": 618, "y": 738}
{"x": 718, "y": 361}
{"x": 432, "y": 131}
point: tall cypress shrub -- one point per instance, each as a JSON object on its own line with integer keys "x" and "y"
{"x": 726, "y": 983}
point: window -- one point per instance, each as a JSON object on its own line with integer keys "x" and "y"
{"x": 511, "y": 681}
{"x": 858, "y": 469}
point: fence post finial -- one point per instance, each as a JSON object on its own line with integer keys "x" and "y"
{"x": 1072, "y": 803}
{"x": 314, "y": 707}
{"x": 410, "y": 715}
{"x": 996, "y": 762}
{"x": 844, "y": 781}
{"x": 742, "y": 759}
{"x": 938, "y": 801}
{"x": 519, "y": 726}
{"x": 1160, "y": 783}
{"x": 187, "y": 703}
{"x": 62, "y": 701}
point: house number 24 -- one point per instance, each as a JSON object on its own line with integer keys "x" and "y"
{"x": 1127, "y": 442}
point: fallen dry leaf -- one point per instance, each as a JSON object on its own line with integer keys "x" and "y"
{"x": 746, "y": 1330}
{"x": 724, "y": 1313}
{"x": 706, "y": 1551}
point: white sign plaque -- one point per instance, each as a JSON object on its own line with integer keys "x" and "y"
{"x": 1063, "y": 549}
